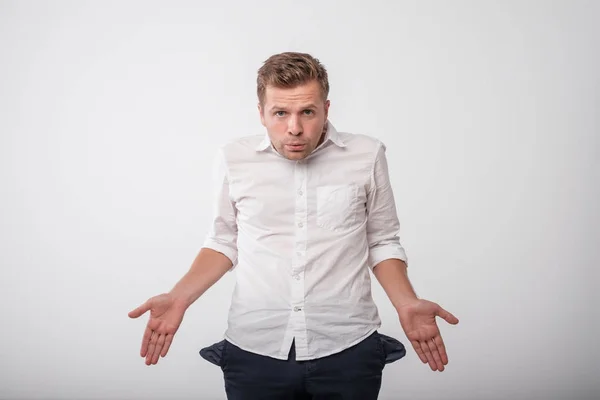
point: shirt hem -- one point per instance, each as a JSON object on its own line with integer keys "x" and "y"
{"x": 260, "y": 353}
{"x": 308, "y": 357}
{"x": 339, "y": 349}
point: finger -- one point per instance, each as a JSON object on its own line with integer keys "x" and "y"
{"x": 140, "y": 310}
{"x": 151, "y": 347}
{"x": 435, "y": 354}
{"x": 420, "y": 353}
{"x": 451, "y": 319}
{"x": 428, "y": 354}
{"x": 145, "y": 341}
{"x": 168, "y": 341}
{"x": 439, "y": 342}
{"x": 159, "y": 345}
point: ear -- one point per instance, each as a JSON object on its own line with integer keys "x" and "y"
{"x": 261, "y": 112}
{"x": 327, "y": 103}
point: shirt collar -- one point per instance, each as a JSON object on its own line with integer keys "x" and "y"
{"x": 331, "y": 135}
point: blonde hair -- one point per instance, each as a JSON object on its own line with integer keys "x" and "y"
{"x": 288, "y": 70}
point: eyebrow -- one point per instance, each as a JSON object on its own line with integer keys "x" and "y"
{"x": 280, "y": 107}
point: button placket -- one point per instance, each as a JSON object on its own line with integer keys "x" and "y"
{"x": 298, "y": 323}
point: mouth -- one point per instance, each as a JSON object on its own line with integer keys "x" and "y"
{"x": 295, "y": 147}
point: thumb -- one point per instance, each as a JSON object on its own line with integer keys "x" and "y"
{"x": 451, "y": 319}
{"x": 140, "y": 310}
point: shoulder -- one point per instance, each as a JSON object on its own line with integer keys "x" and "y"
{"x": 362, "y": 143}
{"x": 240, "y": 148}
{"x": 244, "y": 143}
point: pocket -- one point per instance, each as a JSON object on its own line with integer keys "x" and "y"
{"x": 215, "y": 354}
{"x": 380, "y": 348}
{"x": 393, "y": 349}
{"x": 336, "y": 206}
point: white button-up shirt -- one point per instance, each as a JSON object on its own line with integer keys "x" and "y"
{"x": 302, "y": 236}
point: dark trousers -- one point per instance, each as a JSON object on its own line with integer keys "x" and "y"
{"x": 354, "y": 373}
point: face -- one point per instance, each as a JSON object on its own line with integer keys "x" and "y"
{"x": 295, "y": 118}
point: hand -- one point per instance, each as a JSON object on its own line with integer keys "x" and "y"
{"x": 165, "y": 317}
{"x": 418, "y": 321}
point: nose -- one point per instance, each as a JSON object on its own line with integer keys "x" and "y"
{"x": 294, "y": 126}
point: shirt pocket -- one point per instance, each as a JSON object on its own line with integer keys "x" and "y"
{"x": 336, "y": 206}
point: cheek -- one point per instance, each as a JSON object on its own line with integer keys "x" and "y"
{"x": 277, "y": 130}
{"x": 316, "y": 130}
{"x": 279, "y": 126}
{"x": 271, "y": 122}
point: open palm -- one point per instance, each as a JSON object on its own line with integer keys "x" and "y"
{"x": 165, "y": 319}
{"x": 418, "y": 319}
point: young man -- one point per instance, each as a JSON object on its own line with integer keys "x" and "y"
{"x": 302, "y": 214}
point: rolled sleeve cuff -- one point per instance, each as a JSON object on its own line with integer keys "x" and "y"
{"x": 224, "y": 248}
{"x": 381, "y": 253}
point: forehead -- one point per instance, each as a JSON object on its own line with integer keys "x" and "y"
{"x": 309, "y": 92}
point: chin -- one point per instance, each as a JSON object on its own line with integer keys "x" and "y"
{"x": 295, "y": 156}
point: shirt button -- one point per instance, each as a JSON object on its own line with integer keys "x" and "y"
{"x": 297, "y": 308}
{"x": 297, "y": 277}
{"x": 300, "y": 224}
{"x": 300, "y": 192}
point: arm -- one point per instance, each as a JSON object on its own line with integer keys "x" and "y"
{"x": 218, "y": 255}
{"x": 389, "y": 264}
{"x": 208, "y": 267}
{"x": 392, "y": 275}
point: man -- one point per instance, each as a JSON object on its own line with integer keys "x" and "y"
{"x": 302, "y": 214}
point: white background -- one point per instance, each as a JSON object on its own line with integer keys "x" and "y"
{"x": 111, "y": 113}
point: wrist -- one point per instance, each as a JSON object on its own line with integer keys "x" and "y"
{"x": 405, "y": 301}
{"x": 180, "y": 300}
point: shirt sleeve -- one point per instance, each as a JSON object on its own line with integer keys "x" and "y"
{"x": 382, "y": 220}
{"x": 222, "y": 236}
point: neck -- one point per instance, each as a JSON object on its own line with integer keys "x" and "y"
{"x": 323, "y": 134}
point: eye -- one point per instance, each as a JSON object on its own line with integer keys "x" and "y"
{"x": 308, "y": 112}
{"x": 280, "y": 113}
